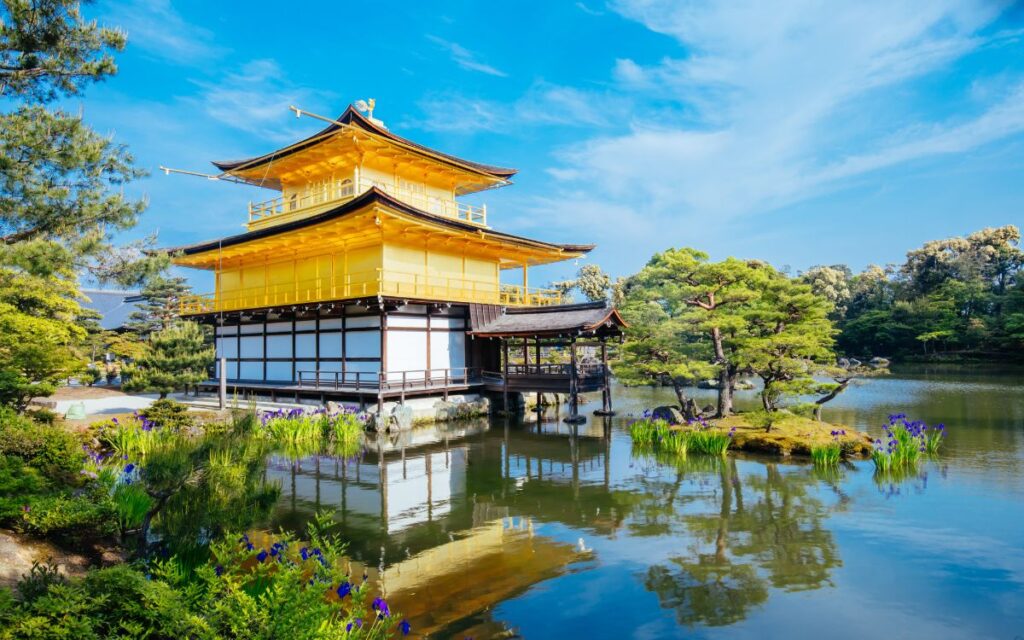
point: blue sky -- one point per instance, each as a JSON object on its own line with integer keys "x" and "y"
{"x": 796, "y": 132}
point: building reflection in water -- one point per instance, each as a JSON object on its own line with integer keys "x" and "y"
{"x": 446, "y": 520}
{"x": 442, "y": 518}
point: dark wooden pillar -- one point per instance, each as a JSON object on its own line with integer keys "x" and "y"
{"x": 504, "y": 377}
{"x": 606, "y": 391}
{"x": 574, "y": 416}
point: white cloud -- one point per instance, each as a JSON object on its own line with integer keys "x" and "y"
{"x": 465, "y": 58}
{"x": 256, "y": 99}
{"x": 544, "y": 104}
{"x": 773, "y": 103}
{"x": 157, "y": 28}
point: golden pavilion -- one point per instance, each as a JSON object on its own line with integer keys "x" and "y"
{"x": 367, "y": 278}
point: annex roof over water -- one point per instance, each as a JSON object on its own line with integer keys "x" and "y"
{"x": 590, "y": 318}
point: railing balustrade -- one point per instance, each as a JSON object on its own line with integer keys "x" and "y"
{"x": 388, "y": 380}
{"x": 277, "y": 209}
{"x": 368, "y": 284}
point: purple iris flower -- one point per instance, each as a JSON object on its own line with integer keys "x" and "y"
{"x": 404, "y": 627}
{"x": 381, "y": 607}
{"x": 344, "y": 589}
{"x": 358, "y": 622}
{"x": 262, "y": 555}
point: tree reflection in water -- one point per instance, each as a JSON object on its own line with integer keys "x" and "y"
{"x": 767, "y": 532}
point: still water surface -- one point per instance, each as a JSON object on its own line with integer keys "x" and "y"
{"x": 489, "y": 530}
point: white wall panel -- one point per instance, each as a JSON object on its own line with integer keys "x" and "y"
{"x": 330, "y": 323}
{"x": 280, "y": 371}
{"x": 419, "y": 322}
{"x": 227, "y": 331}
{"x": 250, "y": 370}
{"x": 305, "y": 365}
{"x": 305, "y": 345}
{"x": 362, "y": 322}
{"x": 279, "y": 327}
{"x": 362, "y": 344}
{"x": 305, "y": 325}
{"x": 330, "y": 345}
{"x": 407, "y": 351}
{"x": 227, "y": 347}
{"x": 447, "y": 350}
{"x": 279, "y": 346}
{"x": 252, "y": 347}
{"x": 447, "y": 323}
{"x": 251, "y": 328}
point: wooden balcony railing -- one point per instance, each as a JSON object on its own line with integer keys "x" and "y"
{"x": 285, "y": 207}
{"x": 369, "y": 284}
{"x": 389, "y": 380}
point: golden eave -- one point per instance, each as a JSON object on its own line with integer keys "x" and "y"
{"x": 371, "y": 224}
{"x": 352, "y": 141}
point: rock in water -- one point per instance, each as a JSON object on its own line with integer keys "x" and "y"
{"x": 670, "y": 415}
{"x": 401, "y": 417}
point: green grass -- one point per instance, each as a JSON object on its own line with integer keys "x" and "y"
{"x": 659, "y": 436}
{"x": 826, "y": 455}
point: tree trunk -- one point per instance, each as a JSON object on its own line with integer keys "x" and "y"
{"x": 830, "y": 396}
{"x": 687, "y": 405}
{"x": 148, "y": 520}
{"x": 726, "y": 376}
{"x": 726, "y": 382}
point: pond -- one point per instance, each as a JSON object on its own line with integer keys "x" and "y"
{"x": 490, "y": 529}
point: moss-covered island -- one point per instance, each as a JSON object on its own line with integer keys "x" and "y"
{"x": 781, "y": 433}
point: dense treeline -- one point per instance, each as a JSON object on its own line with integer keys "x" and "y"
{"x": 958, "y": 297}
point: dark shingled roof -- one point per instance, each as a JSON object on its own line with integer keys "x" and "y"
{"x": 354, "y": 118}
{"x": 113, "y": 306}
{"x": 372, "y": 195}
{"x": 565, "y": 319}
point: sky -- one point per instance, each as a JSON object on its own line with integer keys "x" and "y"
{"x": 795, "y": 131}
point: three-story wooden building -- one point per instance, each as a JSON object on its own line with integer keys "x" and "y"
{"x": 368, "y": 278}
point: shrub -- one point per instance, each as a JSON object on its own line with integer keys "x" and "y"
{"x": 168, "y": 414}
{"x": 279, "y": 589}
{"x": 53, "y": 450}
{"x": 762, "y": 419}
{"x": 90, "y": 376}
{"x": 18, "y": 482}
{"x": 69, "y": 515}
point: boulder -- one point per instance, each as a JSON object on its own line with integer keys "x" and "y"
{"x": 671, "y": 415}
{"x": 334, "y": 408}
{"x": 401, "y": 418}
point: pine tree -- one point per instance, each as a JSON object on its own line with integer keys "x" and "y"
{"x": 159, "y": 308}
{"x": 175, "y": 358}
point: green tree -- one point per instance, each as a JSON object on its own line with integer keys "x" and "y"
{"x": 48, "y": 50}
{"x": 831, "y": 283}
{"x": 61, "y": 191}
{"x": 159, "y": 307}
{"x": 789, "y": 335}
{"x": 38, "y": 334}
{"x": 590, "y": 280}
{"x": 176, "y": 357}
{"x": 701, "y": 320}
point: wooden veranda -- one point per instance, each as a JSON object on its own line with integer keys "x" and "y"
{"x": 537, "y": 337}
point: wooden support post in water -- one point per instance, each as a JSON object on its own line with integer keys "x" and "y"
{"x": 606, "y": 391}
{"x": 504, "y": 350}
{"x": 574, "y": 416}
